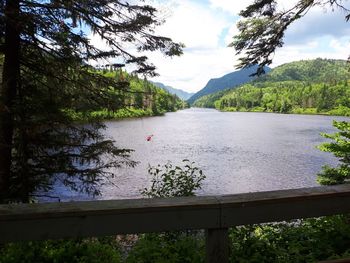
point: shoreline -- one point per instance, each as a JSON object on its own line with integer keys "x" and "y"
{"x": 122, "y": 114}
{"x": 287, "y": 113}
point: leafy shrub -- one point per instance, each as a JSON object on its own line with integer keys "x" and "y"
{"x": 156, "y": 248}
{"x": 340, "y": 147}
{"x": 257, "y": 109}
{"x": 300, "y": 241}
{"x": 298, "y": 110}
{"x": 232, "y": 109}
{"x": 121, "y": 113}
{"x": 340, "y": 111}
{"x": 72, "y": 251}
{"x": 172, "y": 181}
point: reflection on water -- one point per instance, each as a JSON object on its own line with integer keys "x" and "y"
{"x": 238, "y": 152}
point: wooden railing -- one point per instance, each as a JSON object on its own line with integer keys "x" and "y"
{"x": 215, "y": 214}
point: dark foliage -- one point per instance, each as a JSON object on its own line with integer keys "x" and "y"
{"x": 340, "y": 147}
{"x": 47, "y": 55}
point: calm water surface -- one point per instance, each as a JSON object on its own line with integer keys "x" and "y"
{"x": 238, "y": 152}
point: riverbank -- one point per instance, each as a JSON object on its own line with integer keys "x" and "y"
{"x": 124, "y": 113}
{"x": 113, "y": 115}
{"x": 339, "y": 111}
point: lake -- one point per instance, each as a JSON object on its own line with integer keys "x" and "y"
{"x": 237, "y": 151}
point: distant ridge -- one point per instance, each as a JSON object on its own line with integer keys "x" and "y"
{"x": 180, "y": 93}
{"x": 313, "y": 70}
{"x": 227, "y": 81}
{"x": 315, "y": 85}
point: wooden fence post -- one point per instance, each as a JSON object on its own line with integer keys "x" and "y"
{"x": 217, "y": 245}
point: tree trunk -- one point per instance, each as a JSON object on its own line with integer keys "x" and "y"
{"x": 10, "y": 78}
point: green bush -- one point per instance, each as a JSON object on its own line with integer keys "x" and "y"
{"x": 171, "y": 181}
{"x": 257, "y": 109}
{"x": 305, "y": 111}
{"x": 232, "y": 109}
{"x": 340, "y": 111}
{"x": 70, "y": 251}
{"x": 122, "y": 113}
{"x": 158, "y": 248}
{"x": 300, "y": 241}
{"x": 340, "y": 147}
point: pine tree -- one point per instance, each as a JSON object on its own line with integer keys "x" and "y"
{"x": 47, "y": 76}
{"x": 340, "y": 147}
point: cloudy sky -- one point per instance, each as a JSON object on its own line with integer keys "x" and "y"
{"x": 206, "y": 27}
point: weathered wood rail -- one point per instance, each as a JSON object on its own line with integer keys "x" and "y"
{"x": 215, "y": 214}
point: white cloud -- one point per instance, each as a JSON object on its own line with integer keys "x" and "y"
{"x": 233, "y": 30}
{"x": 318, "y": 22}
{"x": 331, "y": 48}
{"x": 341, "y": 46}
{"x": 193, "y": 70}
{"x": 194, "y": 25}
{"x": 234, "y": 7}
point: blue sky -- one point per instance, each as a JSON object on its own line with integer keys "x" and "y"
{"x": 206, "y": 27}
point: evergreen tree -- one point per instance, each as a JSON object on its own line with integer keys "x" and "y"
{"x": 340, "y": 147}
{"x": 47, "y": 76}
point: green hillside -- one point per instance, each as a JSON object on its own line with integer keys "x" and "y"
{"x": 139, "y": 98}
{"x": 315, "y": 71}
{"x": 319, "y": 86}
{"x": 233, "y": 79}
{"x": 208, "y": 101}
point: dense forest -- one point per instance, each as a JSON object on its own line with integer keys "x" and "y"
{"x": 311, "y": 86}
{"x": 140, "y": 98}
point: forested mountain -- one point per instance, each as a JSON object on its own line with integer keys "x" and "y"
{"x": 179, "y": 92}
{"x": 315, "y": 71}
{"x": 141, "y": 98}
{"x": 227, "y": 81}
{"x": 309, "y": 86}
{"x": 208, "y": 101}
